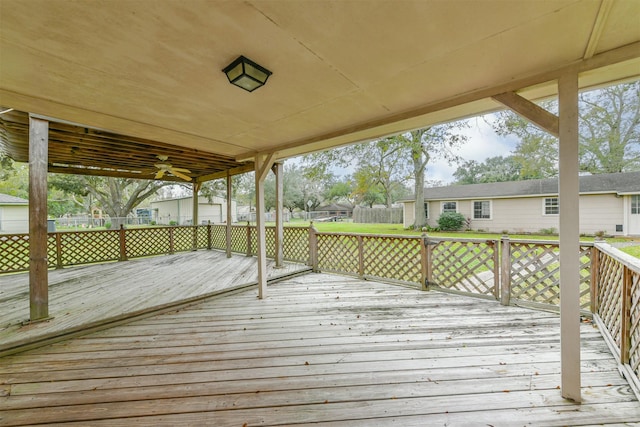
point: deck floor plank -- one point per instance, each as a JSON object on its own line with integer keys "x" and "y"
{"x": 321, "y": 350}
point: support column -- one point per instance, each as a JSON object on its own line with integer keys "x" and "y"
{"x": 569, "y": 193}
{"x": 262, "y": 167}
{"x": 38, "y": 273}
{"x": 278, "y": 170}
{"x": 229, "y": 216}
{"x": 196, "y": 189}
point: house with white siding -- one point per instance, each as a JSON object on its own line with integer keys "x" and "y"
{"x": 608, "y": 202}
{"x": 14, "y": 214}
{"x": 179, "y": 211}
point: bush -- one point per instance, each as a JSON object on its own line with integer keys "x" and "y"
{"x": 107, "y": 225}
{"x": 173, "y": 222}
{"x": 451, "y": 221}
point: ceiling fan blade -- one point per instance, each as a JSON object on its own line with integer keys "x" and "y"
{"x": 180, "y": 175}
{"x": 160, "y": 174}
{"x": 181, "y": 170}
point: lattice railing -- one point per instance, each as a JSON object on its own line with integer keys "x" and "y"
{"x": 85, "y": 247}
{"x": 617, "y": 306}
{"x": 296, "y": 244}
{"x": 15, "y": 252}
{"x": 393, "y": 258}
{"x": 339, "y": 253}
{"x": 219, "y": 236}
{"x": 239, "y": 239}
{"x": 183, "y": 238}
{"x": 467, "y": 265}
{"x": 534, "y": 268}
{"x": 148, "y": 241}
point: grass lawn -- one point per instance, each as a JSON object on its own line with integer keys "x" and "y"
{"x": 632, "y": 250}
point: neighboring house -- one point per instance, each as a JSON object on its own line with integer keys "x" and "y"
{"x": 14, "y": 214}
{"x": 336, "y": 209}
{"x": 608, "y": 202}
{"x": 180, "y": 211}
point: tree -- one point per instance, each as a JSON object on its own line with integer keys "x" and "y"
{"x": 116, "y": 196}
{"x": 493, "y": 169}
{"x": 609, "y": 134}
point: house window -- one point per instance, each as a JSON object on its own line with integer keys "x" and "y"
{"x": 635, "y": 204}
{"x": 482, "y": 209}
{"x": 426, "y": 210}
{"x": 449, "y": 207}
{"x": 551, "y": 206}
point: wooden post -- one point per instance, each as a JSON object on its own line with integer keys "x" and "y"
{"x": 505, "y": 271}
{"x": 595, "y": 279}
{"x": 262, "y": 166}
{"x": 569, "y": 191}
{"x": 209, "y": 235}
{"x": 249, "y": 239}
{"x": 58, "y": 250}
{"x": 123, "y": 243}
{"x": 360, "y": 257}
{"x": 194, "y": 216}
{"x": 423, "y": 261}
{"x": 428, "y": 243}
{"x": 625, "y": 317}
{"x": 278, "y": 170}
{"x": 38, "y": 236}
{"x": 229, "y": 217}
{"x": 495, "y": 245}
{"x": 313, "y": 248}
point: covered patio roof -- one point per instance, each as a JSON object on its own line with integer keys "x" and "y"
{"x": 343, "y": 71}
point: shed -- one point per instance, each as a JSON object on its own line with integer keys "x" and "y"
{"x": 14, "y": 214}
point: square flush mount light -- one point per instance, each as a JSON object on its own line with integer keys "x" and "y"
{"x": 246, "y": 74}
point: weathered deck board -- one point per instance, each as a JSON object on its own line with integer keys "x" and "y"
{"x": 87, "y": 296}
{"x": 322, "y": 350}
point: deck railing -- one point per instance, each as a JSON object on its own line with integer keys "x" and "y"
{"x": 616, "y": 306}
{"x": 69, "y": 248}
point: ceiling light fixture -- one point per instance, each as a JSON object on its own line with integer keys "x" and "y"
{"x": 246, "y": 74}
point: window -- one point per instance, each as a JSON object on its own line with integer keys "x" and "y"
{"x": 635, "y": 204}
{"x": 482, "y": 209}
{"x": 551, "y": 206}
{"x": 449, "y": 207}
{"x": 426, "y": 210}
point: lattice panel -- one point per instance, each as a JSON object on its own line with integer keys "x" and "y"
{"x": 464, "y": 266}
{"x": 296, "y": 244}
{"x": 219, "y": 237}
{"x": 183, "y": 239}
{"x": 392, "y": 258}
{"x": 52, "y": 250}
{"x": 610, "y": 279}
{"x": 203, "y": 237}
{"x": 147, "y": 241}
{"x": 88, "y": 247}
{"x": 270, "y": 241}
{"x": 15, "y": 252}
{"x": 634, "y": 332}
{"x": 338, "y": 253}
{"x": 239, "y": 239}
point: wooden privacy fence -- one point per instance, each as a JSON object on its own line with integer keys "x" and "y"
{"x": 87, "y": 247}
{"x": 616, "y": 306}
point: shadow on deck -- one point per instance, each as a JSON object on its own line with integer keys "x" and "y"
{"x": 97, "y": 296}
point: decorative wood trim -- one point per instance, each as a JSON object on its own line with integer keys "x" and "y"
{"x": 598, "y": 27}
{"x": 530, "y": 111}
{"x": 505, "y": 271}
{"x": 625, "y": 314}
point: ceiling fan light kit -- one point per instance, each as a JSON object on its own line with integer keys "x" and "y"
{"x": 168, "y": 168}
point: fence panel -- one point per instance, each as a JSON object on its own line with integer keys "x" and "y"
{"x": 202, "y": 237}
{"x": 148, "y": 241}
{"x": 634, "y": 329}
{"x": 238, "y": 239}
{"x": 183, "y": 238}
{"x": 15, "y": 252}
{"x": 84, "y": 247}
{"x": 296, "y": 244}
{"x": 219, "y": 237}
{"x": 393, "y": 258}
{"x": 535, "y": 272}
{"x": 338, "y": 253}
{"x": 465, "y": 265}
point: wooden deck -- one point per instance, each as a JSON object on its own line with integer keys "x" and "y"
{"x": 86, "y": 297}
{"x": 323, "y": 350}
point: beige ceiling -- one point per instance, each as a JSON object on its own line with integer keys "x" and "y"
{"x": 343, "y": 71}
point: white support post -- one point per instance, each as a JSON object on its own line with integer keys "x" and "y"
{"x": 38, "y": 263}
{"x": 229, "y": 216}
{"x": 196, "y": 189}
{"x": 262, "y": 167}
{"x": 278, "y": 169}
{"x": 569, "y": 193}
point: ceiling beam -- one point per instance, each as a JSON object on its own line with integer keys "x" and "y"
{"x": 249, "y": 167}
{"x": 598, "y": 27}
{"x": 530, "y": 111}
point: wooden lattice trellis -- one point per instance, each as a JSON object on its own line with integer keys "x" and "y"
{"x": 87, "y": 247}
{"x": 296, "y": 244}
{"x": 219, "y": 236}
{"x": 148, "y": 241}
{"x": 610, "y": 276}
{"x": 535, "y": 272}
{"x": 202, "y": 238}
{"x": 15, "y": 252}
{"x": 338, "y": 253}
{"x": 634, "y": 327}
{"x": 465, "y": 265}
{"x": 239, "y": 239}
{"x": 183, "y": 238}
{"x": 392, "y": 258}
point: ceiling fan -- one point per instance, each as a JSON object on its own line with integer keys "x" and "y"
{"x": 164, "y": 167}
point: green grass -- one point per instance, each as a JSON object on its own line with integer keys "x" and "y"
{"x": 632, "y": 250}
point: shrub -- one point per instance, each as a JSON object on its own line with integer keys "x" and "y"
{"x": 107, "y": 225}
{"x": 173, "y": 222}
{"x": 549, "y": 231}
{"x": 451, "y": 221}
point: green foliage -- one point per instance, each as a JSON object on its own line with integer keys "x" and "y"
{"x": 173, "y": 222}
{"x": 548, "y": 231}
{"x": 493, "y": 169}
{"x": 107, "y": 225}
{"x": 451, "y": 221}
